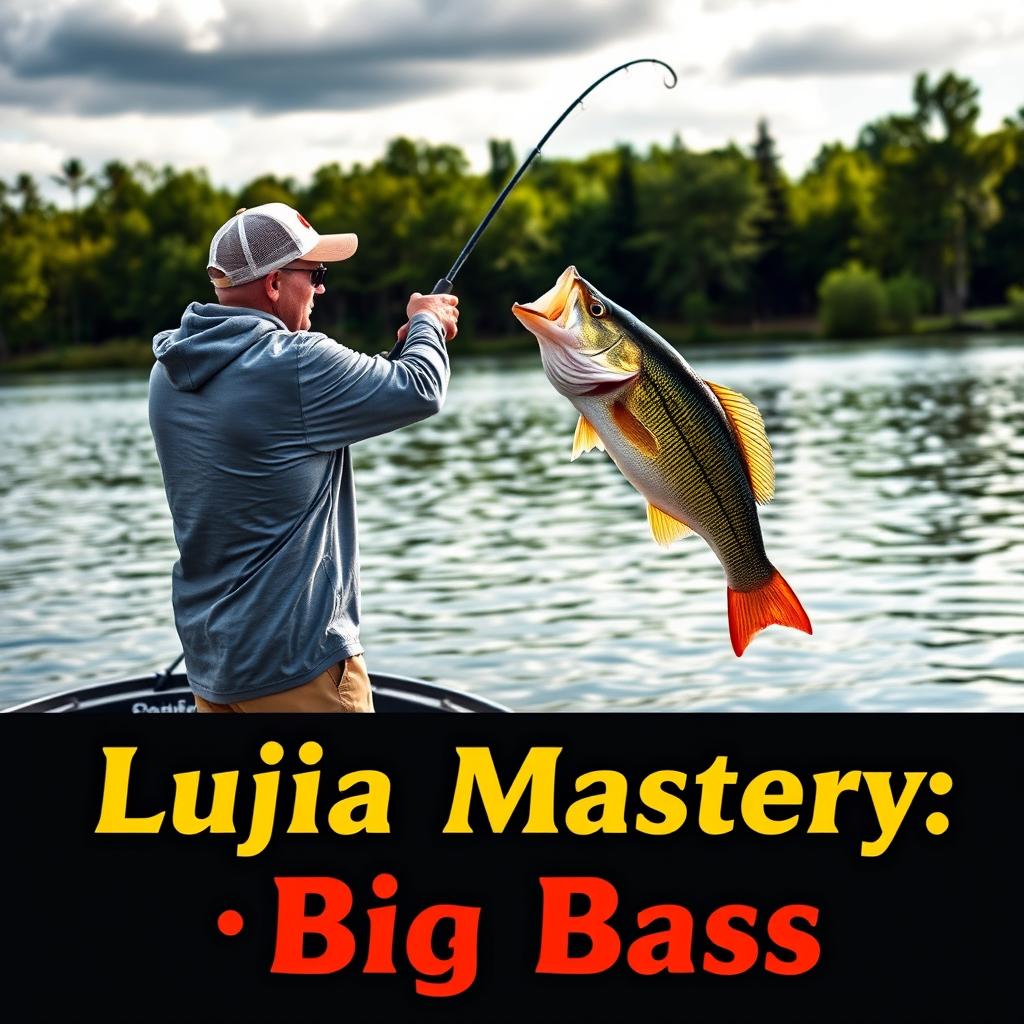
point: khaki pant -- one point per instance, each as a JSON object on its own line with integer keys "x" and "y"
{"x": 343, "y": 687}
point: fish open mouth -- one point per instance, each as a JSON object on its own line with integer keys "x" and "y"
{"x": 554, "y": 304}
{"x": 571, "y": 370}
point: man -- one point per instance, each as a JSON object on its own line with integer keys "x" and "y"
{"x": 253, "y": 415}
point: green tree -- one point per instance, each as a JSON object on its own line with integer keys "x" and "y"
{"x": 26, "y": 239}
{"x": 381, "y": 207}
{"x": 26, "y": 189}
{"x": 577, "y": 196}
{"x": 74, "y": 178}
{"x": 905, "y": 298}
{"x": 771, "y": 286}
{"x": 269, "y": 189}
{"x": 432, "y": 166}
{"x": 503, "y": 163}
{"x": 833, "y": 217}
{"x": 938, "y": 192}
{"x": 622, "y": 225}
{"x": 852, "y": 302}
{"x": 183, "y": 211}
{"x": 698, "y": 212}
{"x": 118, "y": 189}
{"x": 505, "y": 266}
{"x": 1000, "y": 262}
{"x": 118, "y": 215}
{"x": 23, "y": 292}
{"x": 670, "y": 234}
{"x": 1015, "y": 300}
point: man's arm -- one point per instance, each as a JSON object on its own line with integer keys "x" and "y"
{"x": 346, "y": 396}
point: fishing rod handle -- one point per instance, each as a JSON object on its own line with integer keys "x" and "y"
{"x": 443, "y": 287}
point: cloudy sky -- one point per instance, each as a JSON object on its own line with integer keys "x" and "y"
{"x": 245, "y": 87}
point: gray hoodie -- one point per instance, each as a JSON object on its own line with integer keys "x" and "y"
{"x": 252, "y": 424}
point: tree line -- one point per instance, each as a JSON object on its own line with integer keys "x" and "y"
{"x": 921, "y": 198}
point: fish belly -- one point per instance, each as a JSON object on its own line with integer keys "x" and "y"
{"x": 697, "y": 477}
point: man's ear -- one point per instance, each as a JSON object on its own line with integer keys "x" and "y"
{"x": 272, "y": 285}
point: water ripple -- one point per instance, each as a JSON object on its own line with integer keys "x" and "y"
{"x": 493, "y": 564}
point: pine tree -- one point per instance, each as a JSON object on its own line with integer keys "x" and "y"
{"x": 503, "y": 162}
{"x": 622, "y": 226}
{"x": 772, "y": 291}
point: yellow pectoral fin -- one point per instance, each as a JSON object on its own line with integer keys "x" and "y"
{"x": 753, "y": 441}
{"x": 665, "y": 528}
{"x": 585, "y": 439}
{"x": 635, "y": 432}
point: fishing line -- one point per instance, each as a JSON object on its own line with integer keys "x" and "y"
{"x": 444, "y": 286}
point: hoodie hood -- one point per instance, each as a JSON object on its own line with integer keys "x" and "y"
{"x": 210, "y": 337}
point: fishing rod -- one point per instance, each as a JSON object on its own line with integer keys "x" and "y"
{"x": 444, "y": 286}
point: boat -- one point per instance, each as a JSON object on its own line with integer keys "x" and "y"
{"x": 168, "y": 692}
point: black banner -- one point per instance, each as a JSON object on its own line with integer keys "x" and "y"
{"x": 509, "y": 867}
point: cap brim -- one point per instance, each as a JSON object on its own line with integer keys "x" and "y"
{"x": 332, "y": 248}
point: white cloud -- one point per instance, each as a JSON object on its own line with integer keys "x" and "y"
{"x": 172, "y": 81}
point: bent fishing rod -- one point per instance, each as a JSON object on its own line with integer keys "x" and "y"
{"x": 444, "y": 286}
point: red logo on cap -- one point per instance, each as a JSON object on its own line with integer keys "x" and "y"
{"x": 302, "y": 220}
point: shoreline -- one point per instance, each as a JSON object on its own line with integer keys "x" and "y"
{"x": 136, "y": 354}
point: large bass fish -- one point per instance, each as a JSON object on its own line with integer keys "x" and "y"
{"x": 696, "y": 451}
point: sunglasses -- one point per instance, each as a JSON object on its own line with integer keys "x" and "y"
{"x": 317, "y": 275}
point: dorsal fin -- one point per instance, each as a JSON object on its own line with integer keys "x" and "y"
{"x": 585, "y": 439}
{"x": 665, "y": 528}
{"x": 753, "y": 441}
{"x": 634, "y": 431}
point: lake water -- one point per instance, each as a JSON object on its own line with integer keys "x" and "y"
{"x": 493, "y": 564}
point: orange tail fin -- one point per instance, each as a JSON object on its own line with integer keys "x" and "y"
{"x": 751, "y": 611}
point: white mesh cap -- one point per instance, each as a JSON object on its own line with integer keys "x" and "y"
{"x": 260, "y": 240}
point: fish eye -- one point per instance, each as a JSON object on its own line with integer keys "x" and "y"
{"x": 597, "y": 309}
